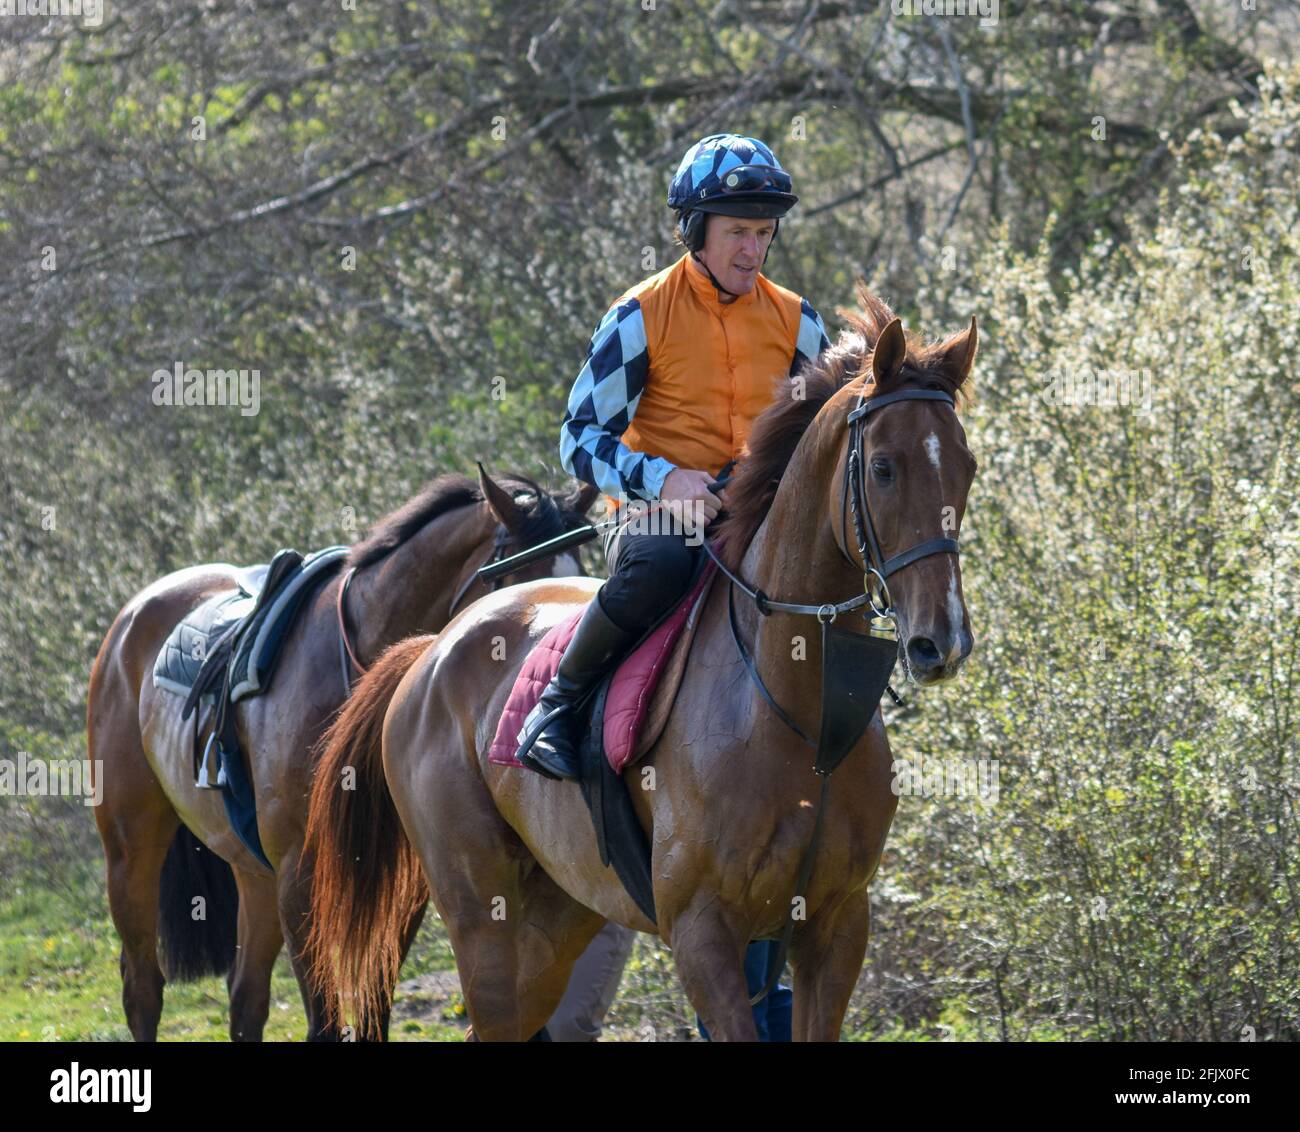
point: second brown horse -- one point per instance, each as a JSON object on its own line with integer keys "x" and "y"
{"x": 167, "y": 843}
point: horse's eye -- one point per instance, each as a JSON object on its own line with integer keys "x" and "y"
{"x": 882, "y": 469}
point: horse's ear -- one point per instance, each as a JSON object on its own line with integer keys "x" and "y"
{"x": 891, "y": 350}
{"x": 586, "y": 495}
{"x": 955, "y": 356}
{"x": 500, "y": 501}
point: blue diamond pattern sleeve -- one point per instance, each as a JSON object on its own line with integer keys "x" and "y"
{"x": 602, "y": 404}
{"x": 812, "y": 338}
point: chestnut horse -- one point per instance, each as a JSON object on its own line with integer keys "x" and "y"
{"x": 727, "y": 794}
{"x": 154, "y": 822}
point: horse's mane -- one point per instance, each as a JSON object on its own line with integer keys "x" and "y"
{"x": 543, "y": 516}
{"x": 779, "y": 428}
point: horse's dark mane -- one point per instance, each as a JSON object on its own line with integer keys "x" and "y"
{"x": 779, "y": 428}
{"x": 544, "y": 517}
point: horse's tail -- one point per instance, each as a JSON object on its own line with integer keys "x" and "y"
{"x": 368, "y": 889}
{"x": 198, "y": 909}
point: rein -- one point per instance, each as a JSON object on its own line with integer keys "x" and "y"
{"x": 499, "y": 544}
{"x": 840, "y": 731}
{"x": 346, "y": 653}
{"x": 349, "y": 662}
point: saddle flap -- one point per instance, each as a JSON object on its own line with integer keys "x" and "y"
{"x": 622, "y": 842}
{"x": 646, "y": 684}
{"x": 226, "y": 649}
{"x": 188, "y": 650}
{"x": 290, "y": 580}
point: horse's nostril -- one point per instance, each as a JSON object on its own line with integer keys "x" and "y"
{"x": 923, "y": 654}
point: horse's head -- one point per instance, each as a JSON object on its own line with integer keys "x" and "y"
{"x": 914, "y": 470}
{"x": 530, "y": 516}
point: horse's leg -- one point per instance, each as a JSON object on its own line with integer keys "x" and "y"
{"x": 136, "y": 838}
{"x": 411, "y": 930}
{"x": 827, "y": 958}
{"x": 260, "y": 940}
{"x": 556, "y": 931}
{"x": 295, "y": 921}
{"x": 136, "y": 825}
{"x": 515, "y": 932}
{"x": 516, "y": 940}
{"x": 710, "y": 958}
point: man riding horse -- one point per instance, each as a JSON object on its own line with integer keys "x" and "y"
{"x": 847, "y": 503}
{"x": 676, "y": 373}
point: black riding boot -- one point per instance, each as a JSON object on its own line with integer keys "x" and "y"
{"x": 547, "y": 742}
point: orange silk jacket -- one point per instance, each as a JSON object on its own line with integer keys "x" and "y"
{"x": 674, "y": 378}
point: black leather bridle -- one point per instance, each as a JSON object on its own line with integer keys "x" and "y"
{"x": 499, "y": 544}
{"x": 877, "y": 567}
{"x": 853, "y": 496}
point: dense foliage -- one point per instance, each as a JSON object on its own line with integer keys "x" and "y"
{"x": 408, "y": 218}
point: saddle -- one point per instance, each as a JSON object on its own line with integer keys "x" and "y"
{"x": 226, "y": 650}
{"x": 634, "y": 714}
{"x": 623, "y": 718}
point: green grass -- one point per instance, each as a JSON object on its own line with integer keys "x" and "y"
{"x": 59, "y": 979}
{"x": 59, "y": 973}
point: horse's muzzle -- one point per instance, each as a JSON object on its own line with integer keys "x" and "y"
{"x": 938, "y": 656}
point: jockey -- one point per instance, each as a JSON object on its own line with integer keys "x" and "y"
{"x": 676, "y": 373}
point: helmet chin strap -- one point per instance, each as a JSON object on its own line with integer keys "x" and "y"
{"x": 713, "y": 277}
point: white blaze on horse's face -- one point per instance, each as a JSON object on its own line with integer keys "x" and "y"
{"x": 932, "y": 450}
{"x": 956, "y": 621}
{"x": 956, "y": 610}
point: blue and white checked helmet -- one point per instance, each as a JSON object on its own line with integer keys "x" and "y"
{"x": 731, "y": 175}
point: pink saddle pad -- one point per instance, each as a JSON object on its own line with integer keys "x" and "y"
{"x": 630, "y": 693}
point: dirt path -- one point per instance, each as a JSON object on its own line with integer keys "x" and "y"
{"x": 435, "y": 1000}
